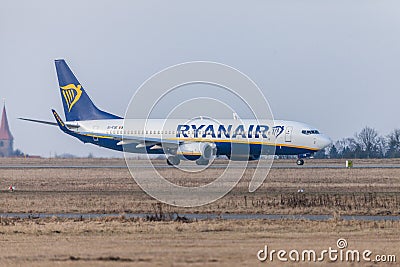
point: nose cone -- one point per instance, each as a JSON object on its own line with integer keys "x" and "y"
{"x": 324, "y": 141}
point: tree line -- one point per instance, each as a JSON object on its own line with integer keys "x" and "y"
{"x": 365, "y": 144}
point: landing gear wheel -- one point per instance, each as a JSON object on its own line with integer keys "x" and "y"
{"x": 202, "y": 162}
{"x": 300, "y": 162}
{"x": 173, "y": 160}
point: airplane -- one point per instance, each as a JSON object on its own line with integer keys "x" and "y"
{"x": 199, "y": 139}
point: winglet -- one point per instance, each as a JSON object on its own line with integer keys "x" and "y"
{"x": 60, "y": 122}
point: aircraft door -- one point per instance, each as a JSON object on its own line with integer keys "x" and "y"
{"x": 288, "y": 134}
{"x": 95, "y": 130}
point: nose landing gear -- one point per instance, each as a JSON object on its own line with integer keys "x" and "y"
{"x": 300, "y": 162}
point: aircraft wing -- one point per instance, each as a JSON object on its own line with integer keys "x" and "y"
{"x": 138, "y": 140}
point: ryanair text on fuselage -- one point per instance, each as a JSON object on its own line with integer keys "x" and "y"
{"x": 250, "y": 131}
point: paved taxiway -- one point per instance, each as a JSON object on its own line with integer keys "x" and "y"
{"x": 216, "y": 166}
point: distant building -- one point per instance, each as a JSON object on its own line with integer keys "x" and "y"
{"x": 6, "y": 138}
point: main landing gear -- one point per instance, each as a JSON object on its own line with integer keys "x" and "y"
{"x": 300, "y": 162}
{"x": 173, "y": 160}
{"x": 202, "y": 161}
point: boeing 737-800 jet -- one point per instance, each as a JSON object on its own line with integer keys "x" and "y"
{"x": 196, "y": 139}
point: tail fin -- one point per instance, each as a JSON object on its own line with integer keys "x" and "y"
{"x": 77, "y": 104}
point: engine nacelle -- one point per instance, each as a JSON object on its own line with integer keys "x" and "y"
{"x": 196, "y": 150}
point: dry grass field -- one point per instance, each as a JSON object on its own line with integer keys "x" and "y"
{"x": 118, "y": 241}
{"x": 112, "y": 190}
{"x": 122, "y": 242}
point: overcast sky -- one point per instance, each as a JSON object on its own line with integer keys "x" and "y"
{"x": 331, "y": 64}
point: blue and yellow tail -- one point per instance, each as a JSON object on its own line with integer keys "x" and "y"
{"x": 77, "y": 104}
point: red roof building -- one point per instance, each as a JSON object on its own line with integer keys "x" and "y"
{"x": 5, "y": 133}
{"x": 6, "y": 138}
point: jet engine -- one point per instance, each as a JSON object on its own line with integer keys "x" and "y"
{"x": 196, "y": 150}
{"x": 199, "y": 151}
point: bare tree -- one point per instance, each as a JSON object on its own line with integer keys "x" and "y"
{"x": 333, "y": 152}
{"x": 367, "y": 144}
{"x": 393, "y": 142}
{"x": 381, "y": 147}
{"x": 346, "y": 148}
{"x": 368, "y": 141}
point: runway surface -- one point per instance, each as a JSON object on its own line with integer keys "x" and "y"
{"x": 215, "y": 166}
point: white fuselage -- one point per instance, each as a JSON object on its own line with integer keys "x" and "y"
{"x": 288, "y": 137}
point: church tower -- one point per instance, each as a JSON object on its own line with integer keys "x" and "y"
{"x": 6, "y": 138}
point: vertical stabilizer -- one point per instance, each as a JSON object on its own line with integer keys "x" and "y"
{"x": 77, "y": 104}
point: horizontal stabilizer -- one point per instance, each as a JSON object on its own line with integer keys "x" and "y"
{"x": 49, "y": 123}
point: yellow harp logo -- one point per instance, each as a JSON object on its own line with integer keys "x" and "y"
{"x": 71, "y": 93}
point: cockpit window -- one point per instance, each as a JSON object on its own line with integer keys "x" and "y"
{"x": 308, "y": 132}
